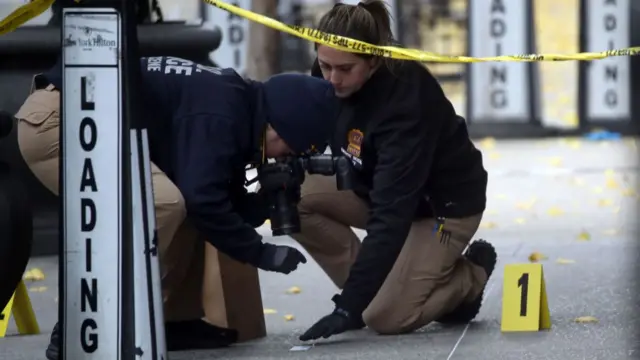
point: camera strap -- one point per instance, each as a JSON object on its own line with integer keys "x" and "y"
{"x": 340, "y": 135}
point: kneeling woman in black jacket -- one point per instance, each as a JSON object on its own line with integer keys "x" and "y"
{"x": 420, "y": 194}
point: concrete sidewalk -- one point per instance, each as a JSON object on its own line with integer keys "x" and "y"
{"x": 566, "y": 199}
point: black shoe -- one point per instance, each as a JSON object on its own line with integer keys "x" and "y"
{"x": 484, "y": 255}
{"x": 197, "y": 335}
{"x": 52, "y": 350}
{"x": 181, "y": 335}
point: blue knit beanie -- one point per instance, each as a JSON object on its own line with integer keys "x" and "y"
{"x": 302, "y": 109}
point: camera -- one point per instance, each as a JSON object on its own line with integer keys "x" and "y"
{"x": 280, "y": 183}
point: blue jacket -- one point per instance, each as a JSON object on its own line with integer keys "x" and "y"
{"x": 211, "y": 126}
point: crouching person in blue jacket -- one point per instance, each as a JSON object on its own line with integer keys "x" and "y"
{"x": 205, "y": 125}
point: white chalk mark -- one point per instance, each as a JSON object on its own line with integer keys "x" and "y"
{"x": 300, "y": 348}
{"x": 466, "y": 327}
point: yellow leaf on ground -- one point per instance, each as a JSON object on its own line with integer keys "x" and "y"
{"x": 555, "y": 211}
{"x": 609, "y": 172}
{"x": 488, "y": 143}
{"x": 584, "y": 236}
{"x": 38, "y": 289}
{"x": 555, "y": 161}
{"x": 612, "y": 184}
{"x": 520, "y": 221}
{"x": 293, "y": 290}
{"x": 34, "y": 274}
{"x": 574, "y": 143}
{"x": 488, "y": 225}
{"x": 577, "y": 181}
{"x": 536, "y": 256}
{"x": 494, "y": 155}
{"x": 270, "y": 311}
{"x": 586, "y": 319}
{"x": 565, "y": 261}
{"x": 628, "y": 192}
{"x": 526, "y": 205}
{"x": 605, "y": 202}
{"x": 288, "y": 317}
{"x": 598, "y": 189}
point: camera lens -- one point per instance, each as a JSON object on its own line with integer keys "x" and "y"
{"x": 285, "y": 219}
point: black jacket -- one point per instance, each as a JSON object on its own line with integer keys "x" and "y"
{"x": 214, "y": 129}
{"x": 202, "y": 142}
{"x": 413, "y": 159}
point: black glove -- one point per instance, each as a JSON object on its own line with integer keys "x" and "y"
{"x": 280, "y": 258}
{"x": 254, "y": 209}
{"x": 339, "y": 321}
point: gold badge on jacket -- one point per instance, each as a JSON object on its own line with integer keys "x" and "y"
{"x": 355, "y": 137}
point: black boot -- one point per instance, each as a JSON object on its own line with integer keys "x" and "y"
{"x": 52, "y": 349}
{"x": 484, "y": 255}
{"x": 180, "y": 335}
{"x": 197, "y": 334}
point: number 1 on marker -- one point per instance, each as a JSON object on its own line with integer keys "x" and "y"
{"x": 523, "y": 284}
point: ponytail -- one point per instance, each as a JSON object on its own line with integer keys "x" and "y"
{"x": 382, "y": 18}
{"x": 369, "y": 21}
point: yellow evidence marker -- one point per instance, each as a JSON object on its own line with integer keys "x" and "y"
{"x": 20, "y": 306}
{"x": 524, "y": 299}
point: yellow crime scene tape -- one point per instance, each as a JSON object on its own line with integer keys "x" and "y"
{"x": 356, "y": 46}
{"x": 23, "y": 14}
{"x": 36, "y": 7}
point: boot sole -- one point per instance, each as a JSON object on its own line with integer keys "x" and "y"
{"x": 467, "y": 312}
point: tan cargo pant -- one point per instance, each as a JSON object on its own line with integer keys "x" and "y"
{"x": 181, "y": 254}
{"x": 430, "y": 278}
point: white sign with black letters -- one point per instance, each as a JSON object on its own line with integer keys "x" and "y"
{"x": 500, "y": 91}
{"x": 234, "y": 46}
{"x": 91, "y": 148}
{"x": 608, "y": 80}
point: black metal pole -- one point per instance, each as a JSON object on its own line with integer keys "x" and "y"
{"x": 131, "y": 75}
